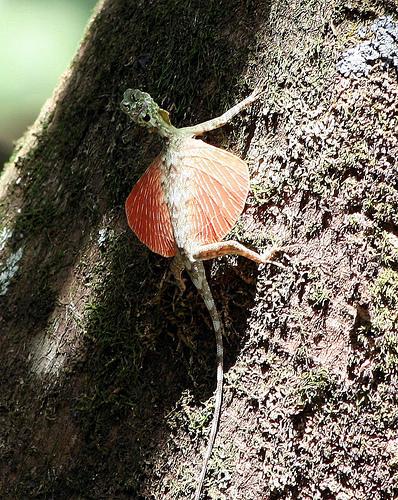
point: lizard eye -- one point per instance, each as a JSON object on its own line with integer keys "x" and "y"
{"x": 146, "y": 118}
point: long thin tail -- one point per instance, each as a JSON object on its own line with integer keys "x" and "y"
{"x": 198, "y": 276}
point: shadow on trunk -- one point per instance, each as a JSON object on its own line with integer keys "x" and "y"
{"x": 119, "y": 342}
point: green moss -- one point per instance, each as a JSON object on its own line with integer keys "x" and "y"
{"x": 387, "y": 246}
{"x": 315, "y": 385}
{"x": 379, "y": 338}
{"x": 186, "y": 415}
{"x": 313, "y": 229}
{"x": 318, "y": 296}
{"x": 221, "y": 468}
{"x": 389, "y": 352}
{"x": 385, "y": 289}
{"x": 381, "y": 203}
{"x": 268, "y": 190}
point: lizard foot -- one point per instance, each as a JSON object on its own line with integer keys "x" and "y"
{"x": 274, "y": 252}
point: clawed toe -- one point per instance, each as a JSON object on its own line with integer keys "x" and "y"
{"x": 268, "y": 258}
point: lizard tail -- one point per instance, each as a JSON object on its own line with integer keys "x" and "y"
{"x": 200, "y": 281}
{"x": 216, "y": 415}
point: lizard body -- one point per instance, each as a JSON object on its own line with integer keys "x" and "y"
{"x": 183, "y": 206}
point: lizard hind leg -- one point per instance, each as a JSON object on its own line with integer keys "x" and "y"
{"x": 177, "y": 266}
{"x": 230, "y": 247}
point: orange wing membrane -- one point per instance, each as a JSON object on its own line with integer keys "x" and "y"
{"x": 147, "y": 212}
{"x": 219, "y": 188}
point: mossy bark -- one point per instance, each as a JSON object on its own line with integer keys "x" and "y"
{"x": 106, "y": 370}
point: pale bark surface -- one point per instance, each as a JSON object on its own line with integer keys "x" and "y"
{"x": 106, "y": 371}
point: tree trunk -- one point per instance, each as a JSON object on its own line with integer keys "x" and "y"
{"x": 107, "y": 371}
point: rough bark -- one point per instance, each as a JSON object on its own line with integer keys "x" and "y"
{"x": 107, "y": 372}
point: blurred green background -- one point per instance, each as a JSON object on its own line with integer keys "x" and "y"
{"x": 38, "y": 39}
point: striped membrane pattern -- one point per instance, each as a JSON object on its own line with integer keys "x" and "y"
{"x": 219, "y": 188}
{"x": 216, "y": 192}
{"x": 147, "y": 212}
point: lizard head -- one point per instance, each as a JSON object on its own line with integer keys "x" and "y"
{"x": 144, "y": 111}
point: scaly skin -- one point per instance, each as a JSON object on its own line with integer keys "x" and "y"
{"x": 197, "y": 274}
{"x": 146, "y": 113}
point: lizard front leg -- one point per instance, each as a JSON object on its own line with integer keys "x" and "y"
{"x": 220, "y": 121}
{"x": 213, "y": 250}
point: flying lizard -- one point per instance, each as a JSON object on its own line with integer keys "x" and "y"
{"x": 185, "y": 203}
